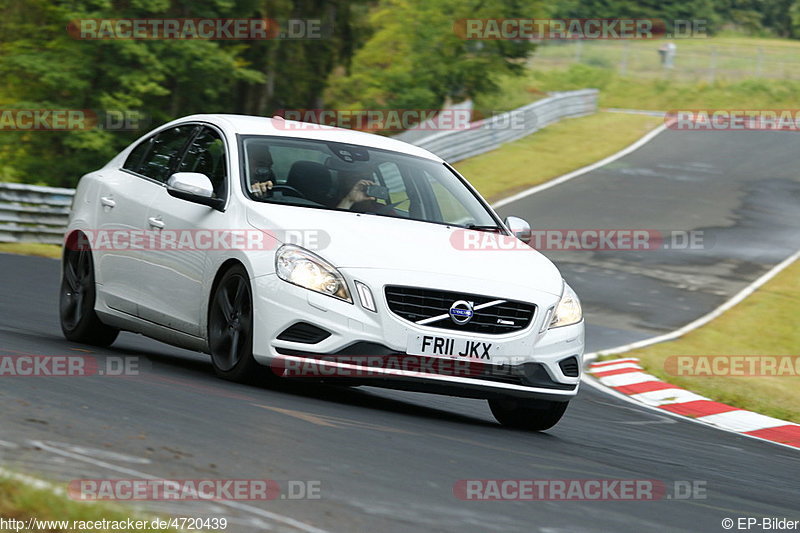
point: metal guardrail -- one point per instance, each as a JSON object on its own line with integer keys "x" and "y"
{"x": 489, "y": 134}
{"x": 32, "y": 213}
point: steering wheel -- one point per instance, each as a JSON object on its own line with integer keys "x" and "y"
{"x": 289, "y": 188}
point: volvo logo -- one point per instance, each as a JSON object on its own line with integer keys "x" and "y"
{"x": 461, "y": 312}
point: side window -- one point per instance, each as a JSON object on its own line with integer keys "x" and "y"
{"x": 137, "y": 155}
{"x": 159, "y": 158}
{"x": 206, "y": 155}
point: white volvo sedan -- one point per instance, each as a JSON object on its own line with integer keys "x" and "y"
{"x": 288, "y": 250}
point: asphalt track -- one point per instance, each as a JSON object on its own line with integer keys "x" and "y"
{"x": 388, "y": 461}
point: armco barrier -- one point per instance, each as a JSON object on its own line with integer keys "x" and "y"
{"x": 32, "y": 213}
{"x": 489, "y": 134}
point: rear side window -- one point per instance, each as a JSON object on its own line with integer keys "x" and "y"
{"x": 157, "y": 157}
{"x": 136, "y": 157}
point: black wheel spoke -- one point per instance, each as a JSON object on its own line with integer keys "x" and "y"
{"x": 245, "y": 321}
{"x": 71, "y": 276}
{"x": 225, "y": 304}
{"x": 216, "y": 341}
{"x": 233, "y": 355}
{"x": 237, "y": 300}
{"x": 76, "y": 308}
{"x": 69, "y": 309}
{"x": 80, "y": 268}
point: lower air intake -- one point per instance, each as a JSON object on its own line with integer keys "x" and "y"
{"x": 570, "y": 367}
{"x": 305, "y": 333}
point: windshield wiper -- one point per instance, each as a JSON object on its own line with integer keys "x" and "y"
{"x": 491, "y": 228}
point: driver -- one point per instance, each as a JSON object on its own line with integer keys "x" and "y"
{"x": 262, "y": 177}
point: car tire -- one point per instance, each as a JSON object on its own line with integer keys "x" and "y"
{"x": 532, "y": 415}
{"x": 230, "y": 328}
{"x": 79, "y": 321}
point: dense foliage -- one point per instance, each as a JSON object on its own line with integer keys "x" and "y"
{"x": 378, "y": 54}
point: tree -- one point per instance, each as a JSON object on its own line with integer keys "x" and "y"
{"x": 415, "y": 59}
{"x": 43, "y": 67}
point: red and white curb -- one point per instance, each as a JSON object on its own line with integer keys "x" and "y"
{"x": 626, "y": 377}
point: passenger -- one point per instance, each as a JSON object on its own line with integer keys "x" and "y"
{"x": 353, "y": 196}
{"x": 352, "y": 188}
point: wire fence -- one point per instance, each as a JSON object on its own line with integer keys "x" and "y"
{"x": 694, "y": 60}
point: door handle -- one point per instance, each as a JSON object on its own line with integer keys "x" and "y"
{"x": 108, "y": 201}
{"x": 156, "y": 222}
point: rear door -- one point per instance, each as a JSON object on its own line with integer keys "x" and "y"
{"x": 125, "y": 197}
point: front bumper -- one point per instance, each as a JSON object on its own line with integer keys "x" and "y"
{"x": 529, "y": 367}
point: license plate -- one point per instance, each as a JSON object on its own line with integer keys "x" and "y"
{"x": 419, "y": 344}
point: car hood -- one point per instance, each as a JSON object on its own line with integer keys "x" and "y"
{"x": 351, "y": 240}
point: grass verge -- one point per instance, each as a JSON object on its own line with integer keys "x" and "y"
{"x": 750, "y": 74}
{"x": 553, "y": 151}
{"x": 22, "y": 502}
{"x": 765, "y": 323}
{"x": 31, "y": 248}
{"x": 666, "y": 94}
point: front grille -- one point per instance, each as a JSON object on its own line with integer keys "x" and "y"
{"x": 569, "y": 367}
{"x": 415, "y": 304}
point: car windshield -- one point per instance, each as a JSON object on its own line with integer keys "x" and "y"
{"x": 336, "y": 176}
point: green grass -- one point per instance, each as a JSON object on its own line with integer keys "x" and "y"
{"x": 553, "y": 151}
{"x": 20, "y": 501}
{"x": 763, "y": 324}
{"x": 738, "y": 82}
{"x": 513, "y": 92}
{"x": 667, "y": 94}
{"x": 31, "y": 248}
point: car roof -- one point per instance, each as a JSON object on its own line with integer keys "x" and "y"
{"x": 252, "y": 125}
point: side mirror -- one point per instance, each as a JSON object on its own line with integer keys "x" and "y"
{"x": 520, "y": 228}
{"x": 193, "y": 187}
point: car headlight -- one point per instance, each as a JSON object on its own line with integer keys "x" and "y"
{"x": 304, "y": 269}
{"x": 568, "y": 311}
